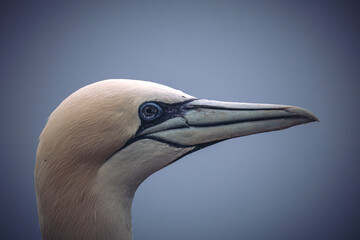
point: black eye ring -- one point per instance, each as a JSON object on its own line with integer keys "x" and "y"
{"x": 150, "y": 111}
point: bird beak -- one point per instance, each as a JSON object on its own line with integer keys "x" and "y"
{"x": 203, "y": 122}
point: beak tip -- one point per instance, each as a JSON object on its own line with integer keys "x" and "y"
{"x": 312, "y": 117}
{"x": 301, "y": 112}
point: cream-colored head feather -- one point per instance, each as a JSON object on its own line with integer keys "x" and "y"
{"x": 80, "y": 135}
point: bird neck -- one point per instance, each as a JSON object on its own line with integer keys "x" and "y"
{"x": 97, "y": 205}
{"x": 79, "y": 211}
{"x": 113, "y": 220}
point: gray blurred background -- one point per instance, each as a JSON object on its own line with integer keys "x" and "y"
{"x": 300, "y": 183}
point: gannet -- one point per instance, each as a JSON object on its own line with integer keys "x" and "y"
{"x": 105, "y": 139}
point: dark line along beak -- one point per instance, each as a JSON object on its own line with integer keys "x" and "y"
{"x": 207, "y": 121}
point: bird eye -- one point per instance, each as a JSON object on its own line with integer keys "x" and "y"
{"x": 150, "y": 111}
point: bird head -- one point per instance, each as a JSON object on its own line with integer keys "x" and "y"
{"x": 111, "y": 135}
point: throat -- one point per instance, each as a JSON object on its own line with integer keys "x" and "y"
{"x": 114, "y": 213}
{"x": 118, "y": 178}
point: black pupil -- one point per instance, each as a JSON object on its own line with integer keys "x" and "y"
{"x": 150, "y": 111}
